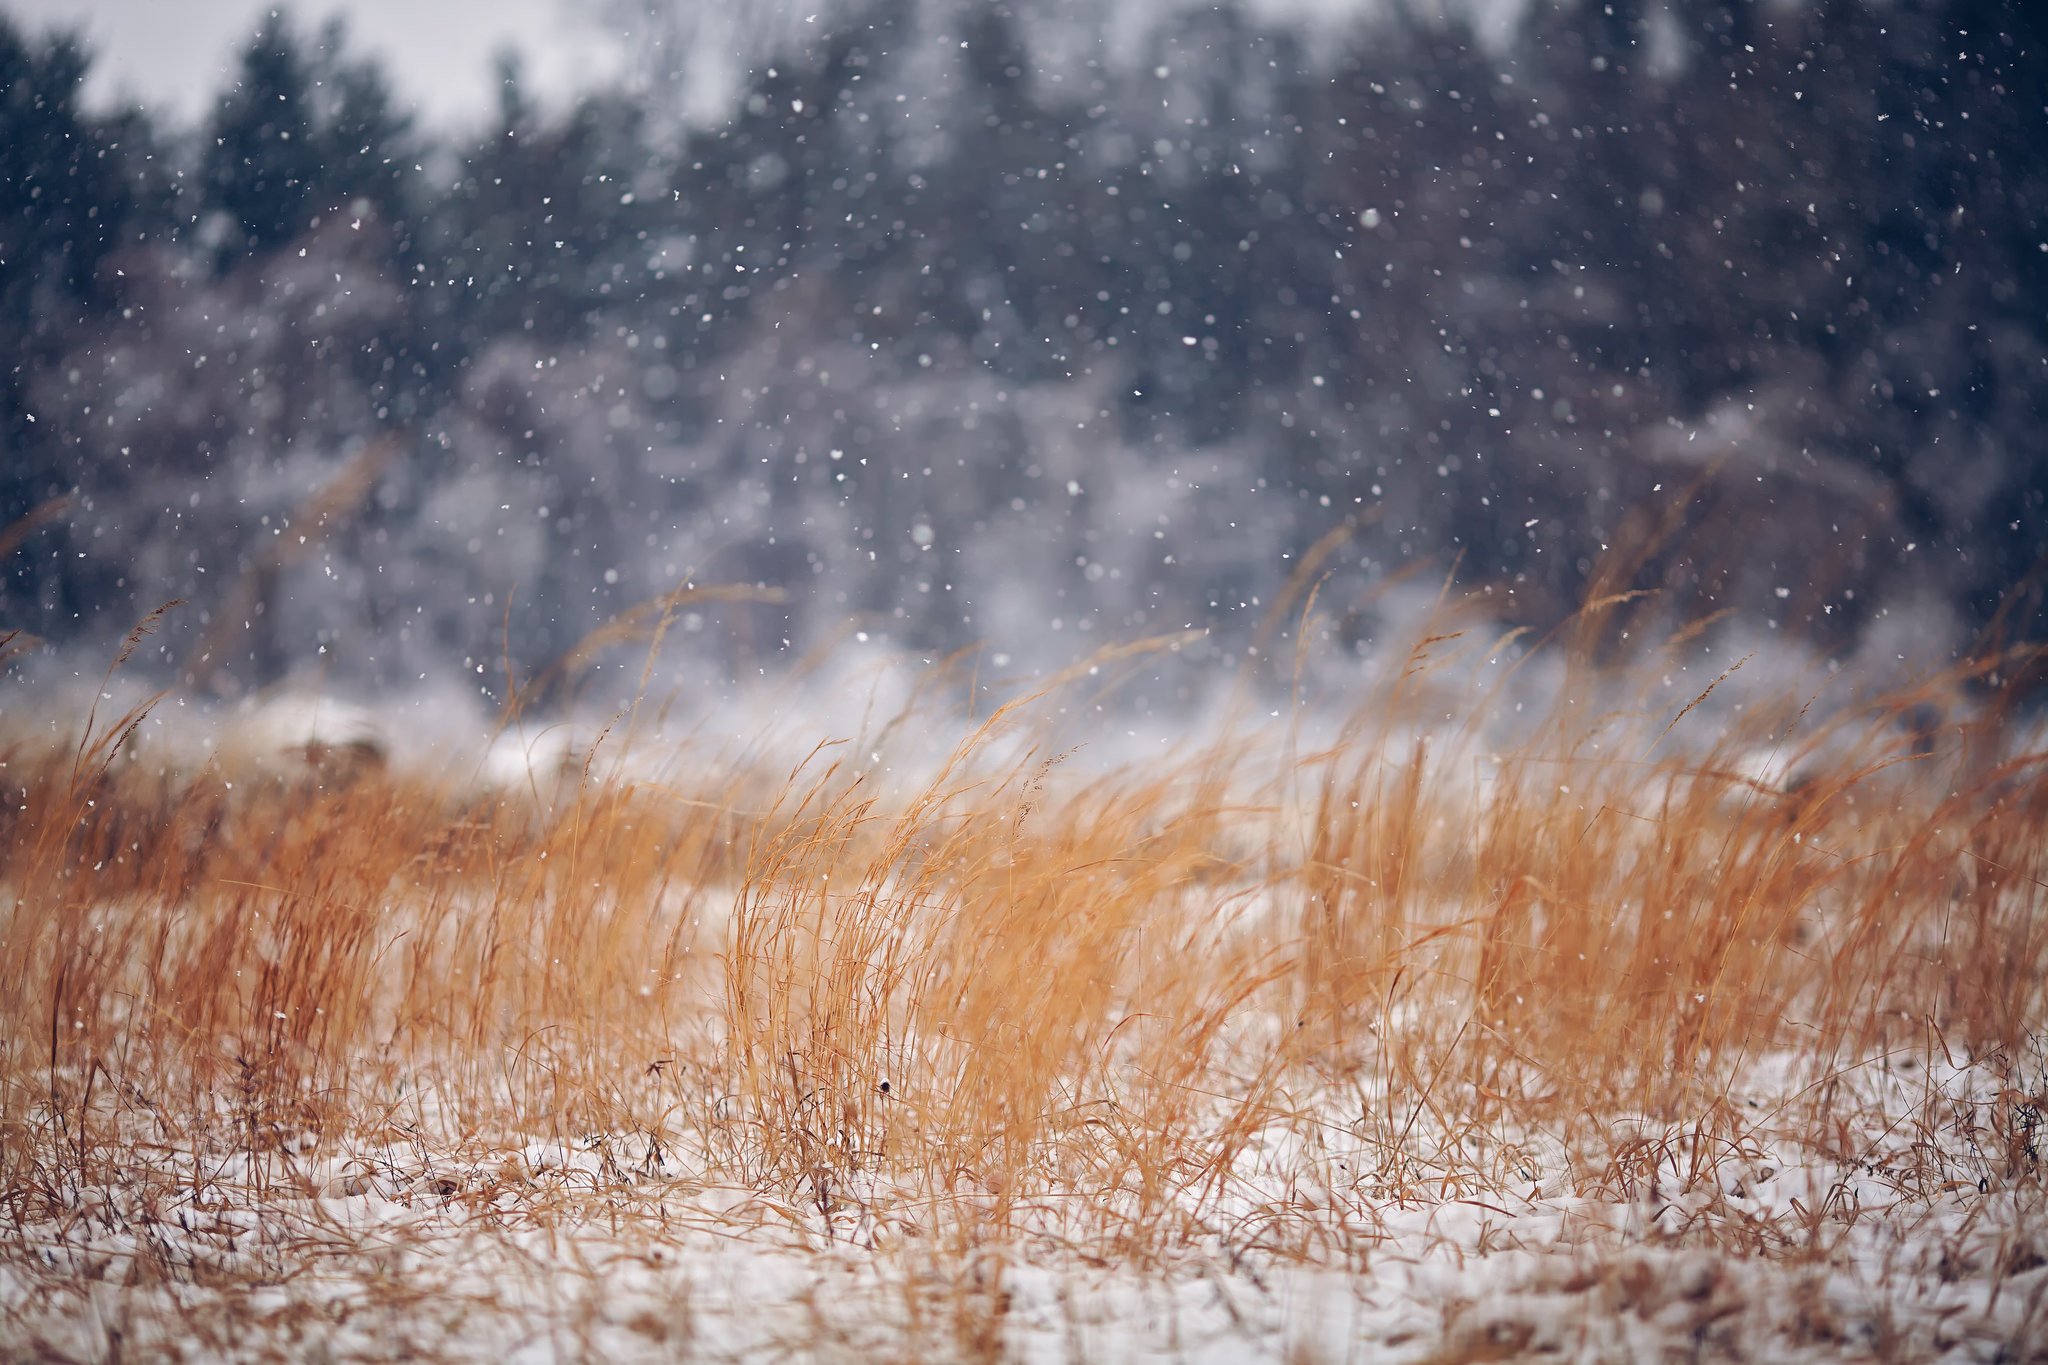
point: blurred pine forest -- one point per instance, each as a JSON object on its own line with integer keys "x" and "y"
{"x": 982, "y": 323}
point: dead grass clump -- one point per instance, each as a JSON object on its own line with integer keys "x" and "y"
{"x": 1398, "y": 993}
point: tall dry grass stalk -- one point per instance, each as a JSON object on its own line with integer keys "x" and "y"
{"x": 1247, "y": 998}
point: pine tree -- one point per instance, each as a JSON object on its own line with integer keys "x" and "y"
{"x": 300, "y": 134}
{"x": 65, "y": 203}
{"x": 261, "y": 160}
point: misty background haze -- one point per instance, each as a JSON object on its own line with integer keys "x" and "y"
{"x": 1034, "y": 327}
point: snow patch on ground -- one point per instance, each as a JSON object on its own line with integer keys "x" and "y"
{"x": 1920, "y": 1236}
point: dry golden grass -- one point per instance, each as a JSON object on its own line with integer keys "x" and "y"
{"x": 395, "y": 1067}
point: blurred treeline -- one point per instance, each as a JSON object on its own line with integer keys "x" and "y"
{"x": 968, "y": 322}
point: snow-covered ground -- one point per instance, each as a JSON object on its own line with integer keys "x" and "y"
{"x": 977, "y": 1053}
{"x": 1915, "y": 1230}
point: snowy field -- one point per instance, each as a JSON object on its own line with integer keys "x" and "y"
{"x": 1699, "y": 1240}
{"x": 1273, "y": 1050}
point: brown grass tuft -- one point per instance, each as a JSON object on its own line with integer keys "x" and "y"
{"x": 1273, "y": 1006}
